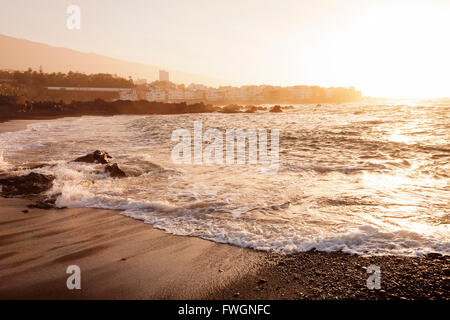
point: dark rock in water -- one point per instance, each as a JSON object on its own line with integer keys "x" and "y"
{"x": 33, "y": 183}
{"x": 25, "y": 211}
{"x": 231, "y": 108}
{"x": 38, "y": 166}
{"x": 45, "y": 204}
{"x": 115, "y": 171}
{"x": 96, "y": 157}
{"x": 251, "y": 109}
{"x": 276, "y": 108}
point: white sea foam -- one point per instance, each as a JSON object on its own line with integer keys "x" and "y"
{"x": 325, "y": 195}
{"x": 3, "y": 164}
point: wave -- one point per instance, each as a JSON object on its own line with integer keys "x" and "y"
{"x": 336, "y": 189}
{"x": 218, "y": 221}
{"x": 4, "y": 165}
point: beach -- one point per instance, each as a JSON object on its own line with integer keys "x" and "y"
{"x": 121, "y": 258}
{"x": 124, "y": 258}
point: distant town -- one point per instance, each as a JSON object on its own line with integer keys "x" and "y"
{"x": 166, "y": 91}
{"x": 36, "y": 85}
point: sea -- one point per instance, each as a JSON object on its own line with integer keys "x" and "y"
{"x": 365, "y": 178}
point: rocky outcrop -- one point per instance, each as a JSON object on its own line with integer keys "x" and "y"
{"x": 95, "y": 157}
{"x": 276, "y": 108}
{"x": 231, "y": 108}
{"x": 115, "y": 171}
{"x": 45, "y": 204}
{"x": 33, "y": 183}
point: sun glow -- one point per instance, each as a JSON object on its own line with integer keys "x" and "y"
{"x": 397, "y": 50}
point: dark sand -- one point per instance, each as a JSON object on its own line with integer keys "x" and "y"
{"x": 122, "y": 258}
{"x": 336, "y": 275}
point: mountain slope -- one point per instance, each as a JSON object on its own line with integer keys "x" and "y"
{"x": 20, "y": 54}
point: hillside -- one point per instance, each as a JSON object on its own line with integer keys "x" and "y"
{"x": 20, "y": 54}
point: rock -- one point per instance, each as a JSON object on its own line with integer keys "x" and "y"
{"x": 96, "y": 157}
{"x": 276, "y": 108}
{"x": 25, "y": 211}
{"x": 43, "y": 204}
{"x": 231, "y": 108}
{"x": 237, "y": 294}
{"x": 251, "y": 109}
{"x": 262, "y": 281}
{"x": 114, "y": 171}
{"x": 220, "y": 270}
{"x": 33, "y": 183}
{"x": 434, "y": 255}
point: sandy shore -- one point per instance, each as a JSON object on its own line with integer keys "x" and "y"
{"x": 122, "y": 258}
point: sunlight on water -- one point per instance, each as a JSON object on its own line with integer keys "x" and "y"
{"x": 365, "y": 179}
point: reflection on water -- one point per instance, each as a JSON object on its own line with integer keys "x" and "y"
{"x": 367, "y": 179}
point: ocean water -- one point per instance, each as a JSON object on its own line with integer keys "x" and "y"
{"x": 362, "y": 178}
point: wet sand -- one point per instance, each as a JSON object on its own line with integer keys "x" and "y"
{"x": 120, "y": 258}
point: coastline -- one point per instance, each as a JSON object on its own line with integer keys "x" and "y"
{"x": 122, "y": 258}
{"x": 119, "y": 257}
{"x": 316, "y": 275}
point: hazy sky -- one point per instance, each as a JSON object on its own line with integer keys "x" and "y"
{"x": 385, "y": 48}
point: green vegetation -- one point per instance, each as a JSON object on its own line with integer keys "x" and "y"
{"x": 32, "y": 84}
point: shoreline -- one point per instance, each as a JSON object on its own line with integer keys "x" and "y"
{"x": 123, "y": 258}
{"x": 119, "y": 257}
{"x": 316, "y": 275}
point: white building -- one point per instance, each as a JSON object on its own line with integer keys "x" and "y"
{"x": 130, "y": 94}
{"x": 140, "y": 81}
{"x": 193, "y": 95}
{"x": 155, "y": 94}
{"x": 163, "y": 75}
{"x": 252, "y": 92}
{"x": 215, "y": 94}
{"x": 300, "y": 92}
{"x": 329, "y": 92}
{"x": 194, "y": 86}
{"x": 231, "y": 93}
{"x": 175, "y": 94}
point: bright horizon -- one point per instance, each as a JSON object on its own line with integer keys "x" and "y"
{"x": 395, "y": 48}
